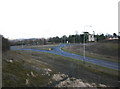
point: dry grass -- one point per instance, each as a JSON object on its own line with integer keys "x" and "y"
{"x": 37, "y": 46}
{"x": 15, "y": 74}
{"x": 74, "y": 68}
{"x": 102, "y": 50}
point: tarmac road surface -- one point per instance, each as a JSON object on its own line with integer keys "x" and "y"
{"x": 57, "y": 50}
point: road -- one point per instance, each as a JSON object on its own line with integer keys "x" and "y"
{"x": 57, "y": 50}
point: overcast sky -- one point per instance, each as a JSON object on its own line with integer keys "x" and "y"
{"x": 49, "y": 18}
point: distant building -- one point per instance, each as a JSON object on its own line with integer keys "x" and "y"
{"x": 91, "y": 37}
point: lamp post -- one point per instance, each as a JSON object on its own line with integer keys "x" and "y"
{"x": 84, "y": 43}
{"x": 84, "y": 49}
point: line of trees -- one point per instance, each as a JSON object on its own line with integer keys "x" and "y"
{"x": 33, "y": 41}
{"x": 52, "y": 40}
{"x": 78, "y": 38}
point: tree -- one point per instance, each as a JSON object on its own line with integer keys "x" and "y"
{"x": 86, "y": 36}
{"x": 101, "y": 37}
{"x": 81, "y": 38}
{"x": 64, "y": 39}
{"x": 114, "y": 34}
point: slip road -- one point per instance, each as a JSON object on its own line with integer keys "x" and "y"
{"x": 57, "y": 50}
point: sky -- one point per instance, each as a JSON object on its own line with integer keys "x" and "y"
{"x": 49, "y": 18}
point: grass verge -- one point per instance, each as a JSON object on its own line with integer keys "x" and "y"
{"x": 88, "y": 54}
{"x": 93, "y": 67}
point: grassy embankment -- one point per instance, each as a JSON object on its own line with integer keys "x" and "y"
{"x": 25, "y": 62}
{"x": 74, "y": 68}
{"x": 24, "y": 71}
{"x": 105, "y": 50}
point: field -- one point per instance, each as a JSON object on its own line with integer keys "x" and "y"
{"x": 105, "y": 50}
{"x": 38, "y": 69}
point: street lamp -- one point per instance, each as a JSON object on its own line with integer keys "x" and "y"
{"x": 84, "y": 43}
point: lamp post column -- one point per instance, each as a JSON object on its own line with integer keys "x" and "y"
{"x": 84, "y": 44}
{"x": 84, "y": 49}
